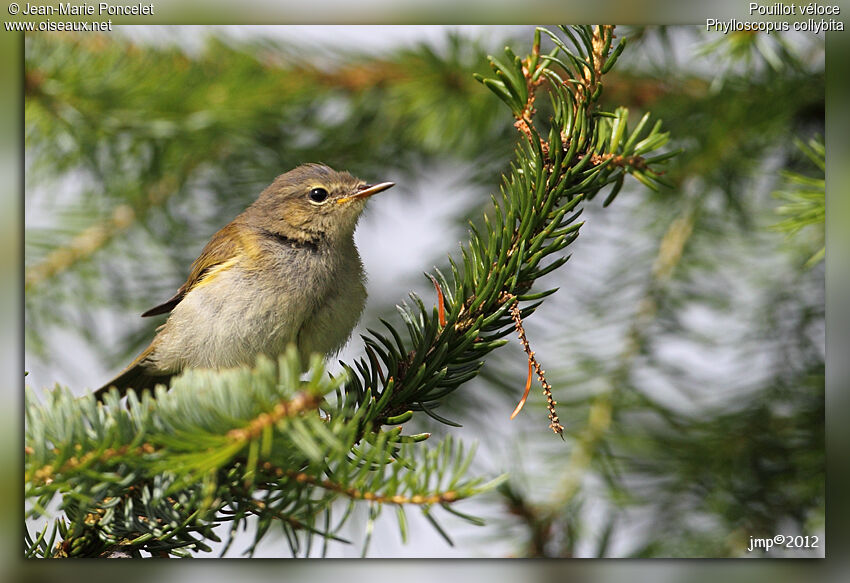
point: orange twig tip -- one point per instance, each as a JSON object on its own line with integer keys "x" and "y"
{"x": 525, "y": 394}
{"x": 441, "y": 307}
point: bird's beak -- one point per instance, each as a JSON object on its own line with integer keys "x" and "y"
{"x": 366, "y": 191}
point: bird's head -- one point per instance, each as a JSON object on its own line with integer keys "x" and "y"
{"x": 313, "y": 201}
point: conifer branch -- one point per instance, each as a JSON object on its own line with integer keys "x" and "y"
{"x": 579, "y": 153}
{"x": 356, "y": 494}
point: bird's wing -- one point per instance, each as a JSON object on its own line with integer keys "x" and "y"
{"x": 224, "y": 246}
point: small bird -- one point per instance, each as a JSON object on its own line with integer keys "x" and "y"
{"x": 284, "y": 271}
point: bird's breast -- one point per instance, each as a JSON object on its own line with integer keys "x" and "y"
{"x": 303, "y": 296}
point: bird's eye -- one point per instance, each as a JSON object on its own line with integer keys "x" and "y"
{"x": 318, "y": 195}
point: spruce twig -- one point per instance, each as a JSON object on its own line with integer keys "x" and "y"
{"x": 554, "y": 421}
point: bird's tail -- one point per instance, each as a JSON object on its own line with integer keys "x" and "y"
{"x": 138, "y": 376}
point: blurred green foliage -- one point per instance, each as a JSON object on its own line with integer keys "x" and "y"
{"x": 805, "y": 199}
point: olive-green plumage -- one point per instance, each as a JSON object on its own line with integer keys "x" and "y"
{"x": 284, "y": 271}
